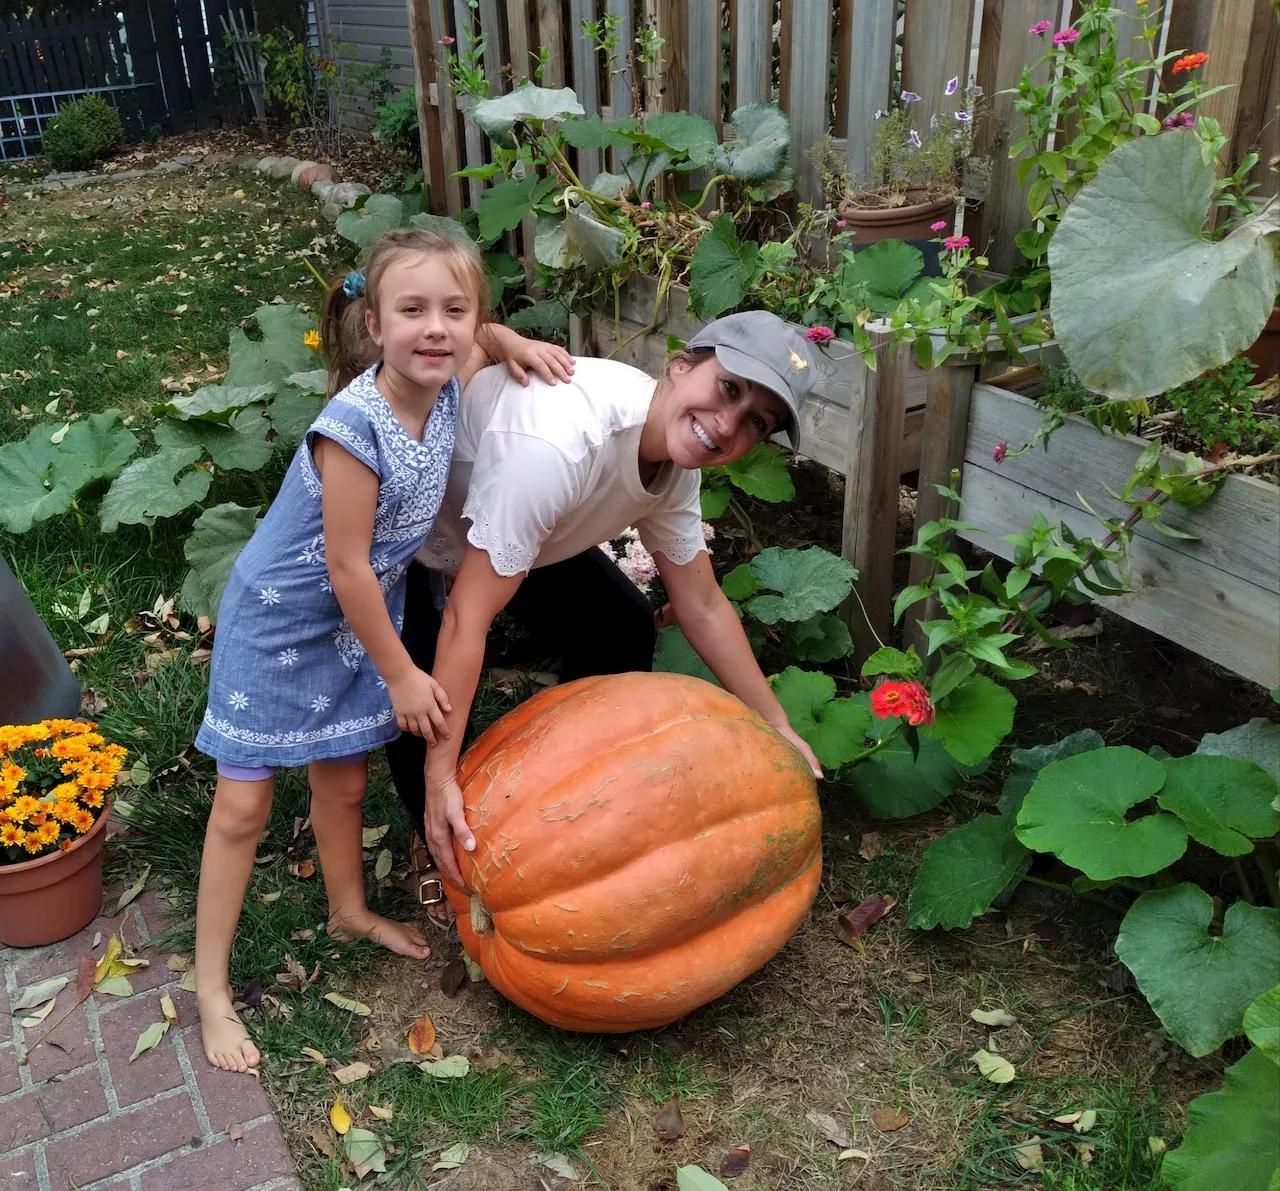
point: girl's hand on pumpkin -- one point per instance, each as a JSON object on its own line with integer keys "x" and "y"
{"x": 445, "y": 822}
{"x": 800, "y": 743}
{"x": 420, "y": 704}
{"x": 548, "y": 360}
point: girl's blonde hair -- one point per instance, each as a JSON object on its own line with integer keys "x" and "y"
{"x": 348, "y": 346}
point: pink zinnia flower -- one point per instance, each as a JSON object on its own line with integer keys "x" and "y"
{"x": 939, "y": 226}
{"x": 819, "y": 335}
{"x": 1066, "y": 36}
{"x": 1002, "y": 449}
{"x": 447, "y": 40}
{"x": 1181, "y": 120}
{"x": 842, "y": 224}
{"x": 951, "y": 243}
{"x": 645, "y": 205}
{"x": 1040, "y": 27}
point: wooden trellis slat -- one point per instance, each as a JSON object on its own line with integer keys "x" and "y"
{"x": 805, "y": 98}
{"x": 935, "y": 48}
{"x": 586, "y": 78}
{"x": 752, "y": 51}
{"x": 872, "y": 37}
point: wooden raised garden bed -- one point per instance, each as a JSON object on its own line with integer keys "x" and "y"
{"x": 1218, "y": 595}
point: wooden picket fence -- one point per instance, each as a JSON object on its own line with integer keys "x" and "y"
{"x": 831, "y": 66}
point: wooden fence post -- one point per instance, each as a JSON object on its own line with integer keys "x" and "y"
{"x": 946, "y": 426}
{"x": 876, "y": 413}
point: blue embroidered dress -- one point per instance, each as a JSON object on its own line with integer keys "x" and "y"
{"x": 290, "y": 681}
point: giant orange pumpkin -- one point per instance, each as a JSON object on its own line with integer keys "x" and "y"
{"x": 643, "y": 842}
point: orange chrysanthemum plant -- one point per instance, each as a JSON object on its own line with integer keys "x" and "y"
{"x": 55, "y": 783}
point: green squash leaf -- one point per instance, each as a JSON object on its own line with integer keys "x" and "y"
{"x": 550, "y": 246}
{"x": 762, "y": 472}
{"x": 822, "y": 638}
{"x": 883, "y": 273}
{"x": 152, "y": 487}
{"x": 893, "y": 785}
{"x": 280, "y": 351}
{"x": 834, "y": 728}
{"x": 740, "y": 583}
{"x": 97, "y": 447}
{"x": 714, "y": 501}
{"x": 212, "y": 547}
{"x": 594, "y": 132}
{"x": 598, "y": 244}
{"x": 973, "y": 719}
{"x": 684, "y": 134}
{"x": 315, "y": 381}
{"x": 1142, "y": 300}
{"x": 894, "y": 662}
{"x": 1258, "y": 741}
{"x": 808, "y": 581}
{"x": 292, "y": 410}
{"x": 444, "y": 225}
{"x": 546, "y": 319}
{"x": 36, "y": 480}
{"x": 1262, "y": 1023}
{"x": 719, "y": 270}
{"x": 213, "y": 403}
{"x": 1199, "y": 984}
{"x": 1025, "y": 764}
{"x": 502, "y": 207}
{"x": 1224, "y": 801}
{"x": 380, "y": 214}
{"x": 610, "y": 185}
{"x": 1076, "y": 810}
{"x": 497, "y": 117}
{"x": 962, "y": 873}
{"x": 228, "y": 448}
{"x": 674, "y": 655}
{"x": 1232, "y": 1141}
{"x": 759, "y": 151}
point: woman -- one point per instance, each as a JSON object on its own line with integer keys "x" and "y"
{"x": 541, "y": 482}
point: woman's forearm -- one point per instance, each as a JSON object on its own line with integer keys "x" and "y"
{"x": 717, "y": 636}
{"x": 459, "y": 659}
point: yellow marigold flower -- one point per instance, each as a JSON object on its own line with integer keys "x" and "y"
{"x": 64, "y": 791}
{"x": 31, "y": 842}
{"x": 11, "y": 772}
{"x": 92, "y": 798}
{"x": 49, "y": 832}
{"x": 82, "y": 821}
{"x": 23, "y": 808}
{"x": 64, "y": 811}
{"x": 7, "y": 791}
{"x": 71, "y": 746}
{"x": 64, "y": 845}
{"x": 38, "y": 819}
{"x": 11, "y": 836}
{"x": 312, "y": 340}
{"x": 96, "y": 781}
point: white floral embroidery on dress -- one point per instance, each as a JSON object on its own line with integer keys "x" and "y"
{"x": 269, "y": 596}
{"x": 313, "y": 555}
{"x": 349, "y": 648}
{"x": 293, "y": 737}
{"x": 239, "y": 700}
{"x": 320, "y": 703}
{"x": 287, "y": 657}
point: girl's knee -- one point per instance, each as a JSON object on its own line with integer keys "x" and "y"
{"x": 240, "y": 809}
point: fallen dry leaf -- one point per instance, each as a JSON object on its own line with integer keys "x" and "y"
{"x": 339, "y": 1117}
{"x": 179, "y": 963}
{"x": 995, "y": 1068}
{"x": 320, "y": 1138}
{"x": 851, "y": 926}
{"x": 872, "y": 845}
{"x": 168, "y": 1008}
{"x": 995, "y": 1019}
{"x": 422, "y": 1036}
{"x": 735, "y": 1162}
{"x": 304, "y": 869}
{"x": 890, "y": 1120}
{"x": 669, "y": 1123}
{"x": 1086, "y": 1150}
{"x": 352, "y": 1072}
{"x": 1087, "y": 1120}
{"x": 830, "y": 1128}
{"x": 453, "y": 977}
{"x": 1068, "y": 1118}
{"x": 312, "y": 1053}
{"x": 1157, "y": 1146}
{"x": 845, "y": 1155}
{"x": 1029, "y": 1156}
{"x": 359, "y": 1008}
{"x": 383, "y": 1114}
{"x": 235, "y": 1132}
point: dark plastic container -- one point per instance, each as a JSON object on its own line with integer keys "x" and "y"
{"x": 35, "y": 681}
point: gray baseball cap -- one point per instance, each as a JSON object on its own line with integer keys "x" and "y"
{"x": 768, "y": 351}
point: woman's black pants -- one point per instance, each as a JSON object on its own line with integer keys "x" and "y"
{"x": 584, "y": 611}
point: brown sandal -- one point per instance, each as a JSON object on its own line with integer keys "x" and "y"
{"x": 423, "y": 880}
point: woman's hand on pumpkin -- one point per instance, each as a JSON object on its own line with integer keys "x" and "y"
{"x": 548, "y": 360}
{"x": 446, "y": 821}
{"x": 799, "y": 741}
{"x": 420, "y": 704}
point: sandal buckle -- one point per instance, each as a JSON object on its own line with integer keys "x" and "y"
{"x": 430, "y": 891}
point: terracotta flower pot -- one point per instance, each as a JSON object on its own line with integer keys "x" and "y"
{"x": 51, "y": 897}
{"x": 913, "y": 221}
{"x": 1265, "y": 352}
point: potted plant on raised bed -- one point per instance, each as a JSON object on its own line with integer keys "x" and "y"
{"x": 56, "y": 779}
{"x": 917, "y": 162}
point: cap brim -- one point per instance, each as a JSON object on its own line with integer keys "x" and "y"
{"x": 749, "y": 368}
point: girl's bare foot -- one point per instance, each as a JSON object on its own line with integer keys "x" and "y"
{"x": 226, "y": 1041}
{"x": 394, "y": 936}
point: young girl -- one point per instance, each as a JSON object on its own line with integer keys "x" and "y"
{"x": 308, "y": 668}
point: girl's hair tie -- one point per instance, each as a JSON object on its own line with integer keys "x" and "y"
{"x": 353, "y": 287}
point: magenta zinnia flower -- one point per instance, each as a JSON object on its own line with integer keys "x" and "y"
{"x": 939, "y": 226}
{"x": 1039, "y": 28}
{"x": 447, "y": 40}
{"x": 1181, "y": 120}
{"x": 819, "y": 335}
{"x": 1002, "y": 449}
{"x": 1066, "y": 36}
{"x": 955, "y": 242}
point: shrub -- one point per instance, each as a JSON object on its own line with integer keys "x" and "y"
{"x": 81, "y": 133}
{"x": 396, "y": 126}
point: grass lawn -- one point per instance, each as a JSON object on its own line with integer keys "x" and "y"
{"x": 115, "y": 295}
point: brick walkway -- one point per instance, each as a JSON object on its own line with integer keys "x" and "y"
{"x": 83, "y": 1117}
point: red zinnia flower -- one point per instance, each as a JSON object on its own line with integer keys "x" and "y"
{"x": 1190, "y": 62}
{"x": 1002, "y": 449}
{"x": 819, "y": 335}
{"x": 892, "y": 699}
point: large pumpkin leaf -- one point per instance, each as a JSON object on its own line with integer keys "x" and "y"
{"x": 973, "y": 719}
{"x": 497, "y": 117}
{"x": 594, "y": 132}
{"x": 213, "y": 403}
{"x": 380, "y": 214}
{"x": 1199, "y": 984}
{"x": 153, "y": 487}
{"x": 885, "y": 272}
{"x": 227, "y": 447}
{"x": 1025, "y": 764}
{"x": 1258, "y": 740}
{"x": 97, "y": 447}
{"x": 834, "y": 728}
{"x": 762, "y": 472}
{"x": 808, "y": 581}
{"x": 549, "y": 246}
{"x": 502, "y": 207}
{"x": 292, "y": 410}
{"x": 684, "y": 134}
{"x": 759, "y": 150}
{"x": 281, "y": 350}
{"x": 720, "y": 269}
{"x": 1142, "y": 300}
{"x": 822, "y": 638}
{"x": 674, "y": 655}
{"x": 598, "y": 244}
{"x": 444, "y": 225}
{"x": 962, "y": 873}
{"x": 894, "y": 785}
{"x": 1232, "y": 1141}
{"x": 1224, "y": 801}
{"x": 1076, "y": 810}
{"x": 214, "y": 544}
{"x": 34, "y": 485}
{"x": 1262, "y": 1023}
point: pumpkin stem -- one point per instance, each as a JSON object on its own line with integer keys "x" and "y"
{"x": 480, "y": 920}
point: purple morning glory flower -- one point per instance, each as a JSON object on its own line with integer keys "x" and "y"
{"x": 952, "y": 85}
{"x": 910, "y": 97}
{"x": 914, "y": 139}
{"x": 963, "y": 116}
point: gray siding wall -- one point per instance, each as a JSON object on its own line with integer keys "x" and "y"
{"x": 368, "y": 26}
